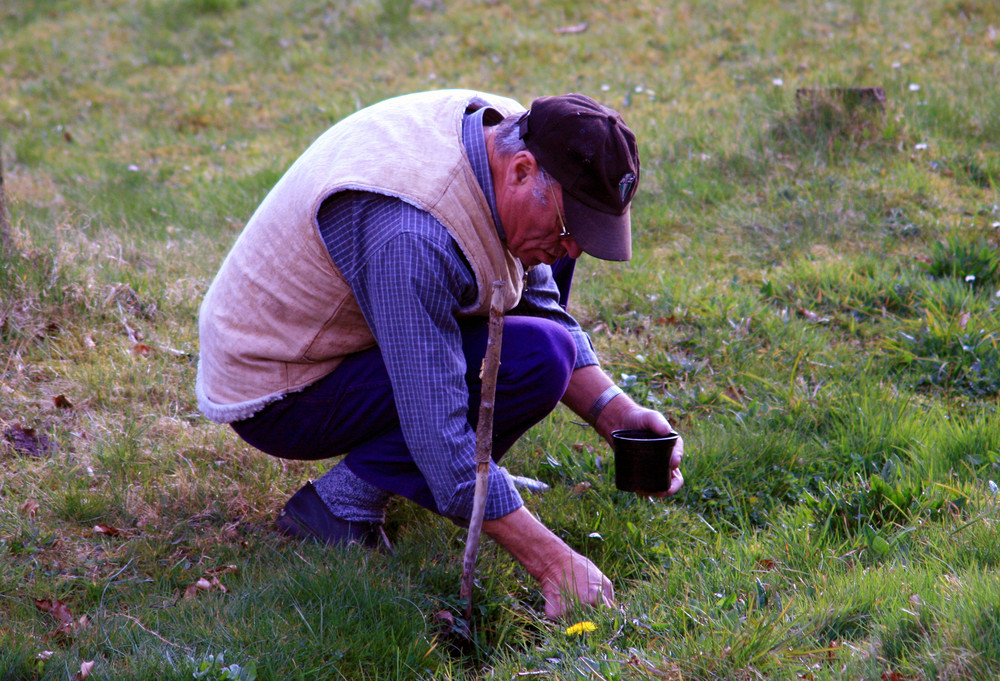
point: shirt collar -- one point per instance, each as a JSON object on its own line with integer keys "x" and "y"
{"x": 475, "y": 146}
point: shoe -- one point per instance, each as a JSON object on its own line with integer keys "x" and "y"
{"x": 305, "y": 516}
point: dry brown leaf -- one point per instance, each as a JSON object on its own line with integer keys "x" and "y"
{"x": 67, "y": 630}
{"x": 812, "y": 316}
{"x": 141, "y": 350}
{"x": 894, "y": 676}
{"x": 735, "y": 393}
{"x": 108, "y": 530}
{"x": 205, "y": 584}
{"x": 59, "y": 610}
{"x": 68, "y": 624}
{"x": 575, "y": 28}
{"x": 29, "y": 508}
{"x": 85, "y": 669}
{"x": 581, "y": 488}
{"x": 61, "y": 402}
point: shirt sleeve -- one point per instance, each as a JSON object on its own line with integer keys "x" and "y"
{"x": 410, "y": 283}
{"x": 541, "y": 299}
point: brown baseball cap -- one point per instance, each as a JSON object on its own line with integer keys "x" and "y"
{"x": 592, "y": 154}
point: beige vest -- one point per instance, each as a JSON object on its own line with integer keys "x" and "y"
{"x": 279, "y": 315}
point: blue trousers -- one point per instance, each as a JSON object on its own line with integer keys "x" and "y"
{"x": 352, "y": 410}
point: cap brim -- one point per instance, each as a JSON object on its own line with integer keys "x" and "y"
{"x": 604, "y": 236}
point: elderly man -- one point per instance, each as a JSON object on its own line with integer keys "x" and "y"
{"x": 350, "y": 316}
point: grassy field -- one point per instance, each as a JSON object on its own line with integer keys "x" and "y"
{"x": 814, "y": 302}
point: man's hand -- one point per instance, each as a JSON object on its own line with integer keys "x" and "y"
{"x": 567, "y": 579}
{"x": 639, "y": 418}
{"x": 621, "y": 413}
{"x": 574, "y": 580}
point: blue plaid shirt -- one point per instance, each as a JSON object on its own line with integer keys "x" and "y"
{"x": 410, "y": 278}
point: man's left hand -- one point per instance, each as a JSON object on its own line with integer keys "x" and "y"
{"x": 640, "y": 418}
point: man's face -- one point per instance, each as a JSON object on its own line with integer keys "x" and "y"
{"x": 532, "y": 219}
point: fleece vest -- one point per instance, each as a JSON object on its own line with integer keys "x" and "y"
{"x": 279, "y": 315}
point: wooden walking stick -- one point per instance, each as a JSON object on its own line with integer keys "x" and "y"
{"x": 484, "y": 444}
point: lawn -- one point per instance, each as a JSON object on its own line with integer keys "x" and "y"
{"x": 814, "y": 302}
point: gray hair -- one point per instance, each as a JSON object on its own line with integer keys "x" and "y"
{"x": 507, "y": 142}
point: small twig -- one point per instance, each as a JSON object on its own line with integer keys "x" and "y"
{"x": 484, "y": 444}
{"x": 6, "y": 240}
{"x": 150, "y": 632}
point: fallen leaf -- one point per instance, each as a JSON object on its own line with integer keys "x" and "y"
{"x": 575, "y": 28}
{"x": 204, "y": 584}
{"x": 449, "y": 628}
{"x": 581, "y": 488}
{"x": 108, "y": 530}
{"x": 735, "y": 393}
{"x": 766, "y": 564}
{"x": 28, "y": 508}
{"x": 68, "y": 630}
{"x": 27, "y": 441}
{"x": 142, "y": 350}
{"x": 812, "y": 316}
{"x": 68, "y": 625}
{"x": 224, "y": 569}
{"x": 85, "y": 669}
{"x": 61, "y": 402}
{"x": 59, "y": 610}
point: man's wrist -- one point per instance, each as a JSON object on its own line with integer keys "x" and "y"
{"x": 526, "y": 538}
{"x": 610, "y": 393}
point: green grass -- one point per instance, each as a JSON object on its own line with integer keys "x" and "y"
{"x": 814, "y": 302}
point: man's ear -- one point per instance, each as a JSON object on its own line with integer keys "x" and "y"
{"x": 523, "y": 167}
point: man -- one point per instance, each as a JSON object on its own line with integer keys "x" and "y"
{"x": 350, "y": 316}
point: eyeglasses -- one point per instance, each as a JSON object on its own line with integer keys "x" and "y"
{"x": 564, "y": 234}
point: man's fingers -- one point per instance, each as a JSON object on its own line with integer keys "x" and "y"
{"x": 608, "y": 593}
{"x": 676, "y": 482}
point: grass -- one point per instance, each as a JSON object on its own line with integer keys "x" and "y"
{"x": 813, "y": 302}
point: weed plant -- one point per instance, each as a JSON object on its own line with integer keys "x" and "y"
{"x": 814, "y": 302}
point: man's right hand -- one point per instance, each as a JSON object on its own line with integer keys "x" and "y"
{"x": 572, "y": 581}
{"x": 567, "y": 579}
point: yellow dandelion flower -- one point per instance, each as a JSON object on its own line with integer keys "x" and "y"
{"x": 581, "y": 628}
